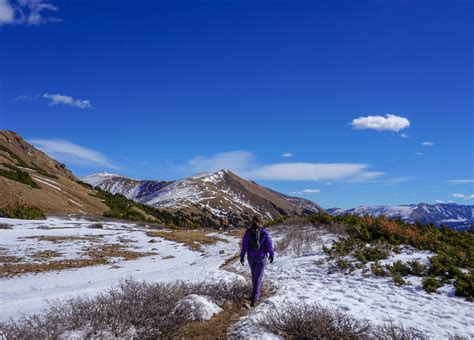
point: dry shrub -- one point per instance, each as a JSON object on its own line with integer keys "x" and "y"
{"x": 305, "y": 321}
{"x": 131, "y": 309}
{"x": 392, "y": 331}
{"x": 297, "y": 240}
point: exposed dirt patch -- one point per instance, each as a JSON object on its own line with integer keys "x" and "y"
{"x": 217, "y": 326}
{"x": 194, "y": 239}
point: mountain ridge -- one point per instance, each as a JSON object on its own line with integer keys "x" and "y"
{"x": 220, "y": 194}
{"x": 453, "y": 215}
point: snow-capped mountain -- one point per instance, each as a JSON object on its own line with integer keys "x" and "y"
{"x": 450, "y": 214}
{"x": 131, "y": 188}
{"x": 214, "y": 194}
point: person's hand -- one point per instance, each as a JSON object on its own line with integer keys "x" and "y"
{"x": 270, "y": 258}
{"x": 242, "y": 262}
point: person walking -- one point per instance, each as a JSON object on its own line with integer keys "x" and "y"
{"x": 257, "y": 245}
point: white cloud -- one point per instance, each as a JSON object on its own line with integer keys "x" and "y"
{"x": 466, "y": 197}
{"x": 7, "y": 14}
{"x": 428, "y": 143}
{"x": 26, "y": 12}
{"x": 419, "y": 153}
{"x": 439, "y": 201}
{"x": 55, "y": 99}
{"x": 245, "y": 164}
{"x": 67, "y": 152}
{"x": 380, "y": 123}
{"x": 287, "y": 154}
{"x": 307, "y": 192}
{"x": 58, "y": 99}
{"x": 403, "y": 135}
{"x": 461, "y": 181}
{"x": 238, "y": 161}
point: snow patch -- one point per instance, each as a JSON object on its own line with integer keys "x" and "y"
{"x": 200, "y": 307}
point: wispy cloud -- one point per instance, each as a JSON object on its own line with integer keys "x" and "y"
{"x": 466, "y": 197}
{"x": 245, "y": 164}
{"x": 403, "y": 135}
{"x": 307, "y": 192}
{"x": 58, "y": 99}
{"x": 461, "y": 181}
{"x": 287, "y": 154}
{"x": 419, "y": 153}
{"x": 427, "y": 143}
{"x": 70, "y": 153}
{"x": 27, "y": 12}
{"x": 389, "y": 122}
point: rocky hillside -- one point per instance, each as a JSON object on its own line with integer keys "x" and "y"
{"x": 29, "y": 177}
{"x": 450, "y": 214}
{"x": 213, "y": 195}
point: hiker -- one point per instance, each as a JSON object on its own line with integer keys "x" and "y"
{"x": 257, "y": 244}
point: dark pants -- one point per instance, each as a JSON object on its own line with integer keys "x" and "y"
{"x": 257, "y": 266}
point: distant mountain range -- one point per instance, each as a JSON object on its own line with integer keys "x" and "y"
{"x": 450, "y": 214}
{"x": 30, "y": 177}
{"x": 214, "y": 194}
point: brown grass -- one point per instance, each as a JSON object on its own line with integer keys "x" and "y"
{"x": 57, "y": 239}
{"x": 98, "y": 255}
{"x": 116, "y": 250}
{"x": 10, "y": 270}
{"x": 9, "y": 259}
{"x": 46, "y": 254}
{"x": 194, "y": 239}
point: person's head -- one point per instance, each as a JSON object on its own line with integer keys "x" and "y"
{"x": 256, "y": 222}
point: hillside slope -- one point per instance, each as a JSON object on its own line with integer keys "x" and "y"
{"x": 30, "y": 177}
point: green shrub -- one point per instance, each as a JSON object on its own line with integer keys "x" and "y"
{"x": 465, "y": 285}
{"x": 407, "y": 268}
{"x": 276, "y": 221}
{"x": 13, "y": 155}
{"x": 378, "y": 269}
{"x": 344, "y": 264}
{"x": 20, "y": 176}
{"x": 398, "y": 280}
{"x": 371, "y": 253}
{"x": 45, "y": 173}
{"x": 320, "y": 218}
{"x": 431, "y": 283}
{"x": 24, "y": 212}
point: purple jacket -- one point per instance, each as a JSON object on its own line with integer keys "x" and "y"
{"x": 266, "y": 246}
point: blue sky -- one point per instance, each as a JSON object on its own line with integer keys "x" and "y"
{"x": 330, "y": 100}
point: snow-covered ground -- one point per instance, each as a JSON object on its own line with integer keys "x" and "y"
{"x": 376, "y": 299}
{"x": 297, "y": 278}
{"x": 29, "y": 293}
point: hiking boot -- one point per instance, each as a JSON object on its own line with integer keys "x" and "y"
{"x": 252, "y": 303}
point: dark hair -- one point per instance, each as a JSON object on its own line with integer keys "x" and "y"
{"x": 256, "y": 219}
